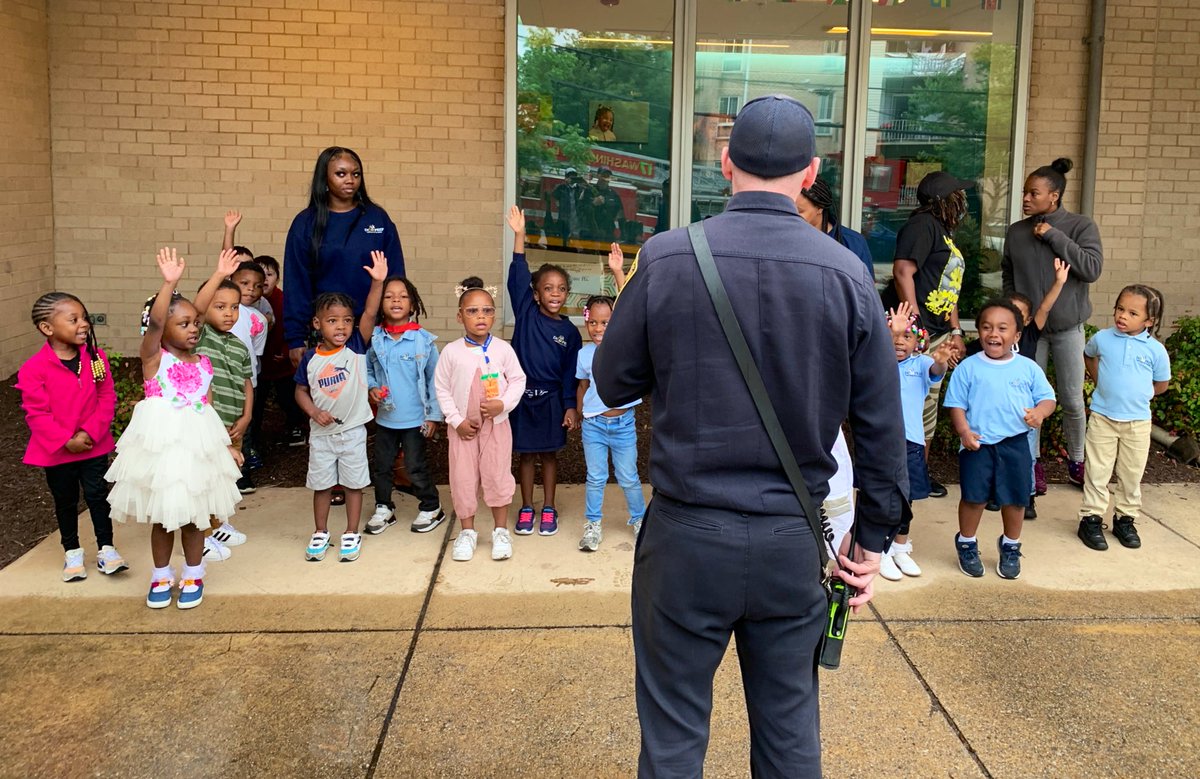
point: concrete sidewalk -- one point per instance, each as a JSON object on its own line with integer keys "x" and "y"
{"x": 408, "y": 664}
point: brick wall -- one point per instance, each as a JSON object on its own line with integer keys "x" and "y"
{"x": 26, "y": 231}
{"x": 167, "y": 114}
{"x": 1148, "y": 180}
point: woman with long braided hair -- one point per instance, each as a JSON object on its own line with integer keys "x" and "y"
{"x": 928, "y": 273}
{"x": 815, "y": 204}
{"x": 69, "y": 400}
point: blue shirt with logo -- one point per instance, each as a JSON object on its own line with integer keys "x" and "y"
{"x": 1129, "y": 366}
{"x": 915, "y": 382}
{"x": 995, "y": 394}
{"x": 593, "y": 406}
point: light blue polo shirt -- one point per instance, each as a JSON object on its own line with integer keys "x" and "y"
{"x": 915, "y": 382}
{"x": 1129, "y": 366}
{"x": 593, "y": 406}
{"x": 995, "y": 394}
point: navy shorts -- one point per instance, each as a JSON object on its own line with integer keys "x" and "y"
{"x": 918, "y": 472}
{"x": 1003, "y": 471}
{"x": 537, "y": 421}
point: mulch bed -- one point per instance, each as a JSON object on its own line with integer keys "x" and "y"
{"x": 28, "y": 510}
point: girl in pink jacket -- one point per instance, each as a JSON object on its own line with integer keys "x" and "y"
{"x": 67, "y": 392}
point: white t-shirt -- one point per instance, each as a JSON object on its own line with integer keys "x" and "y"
{"x": 251, "y": 329}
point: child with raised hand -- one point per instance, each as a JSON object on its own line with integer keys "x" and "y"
{"x": 479, "y": 381}
{"x": 995, "y": 398}
{"x": 547, "y": 344}
{"x": 260, "y": 303}
{"x": 331, "y": 387}
{"x": 175, "y": 465}
{"x": 232, "y": 397}
{"x": 918, "y": 372}
{"x": 605, "y": 431}
{"x": 400, "y": 368}
{"x": 616, "y": 264}
{"x": 67, "y": 393}
{"x": 1129, "y": 367}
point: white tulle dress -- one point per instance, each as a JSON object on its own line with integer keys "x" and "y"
{"x": 173, "y": 465}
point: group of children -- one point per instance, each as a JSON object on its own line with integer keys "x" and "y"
{"x": 998, "y": 398}
{"x": 183, "y": 462}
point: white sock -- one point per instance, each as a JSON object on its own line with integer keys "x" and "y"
{"x": 1009, "y": 541}
{"x": 193, "y": 571}
{"x": 159, "y": 574}
{"x": 966, "y": 540}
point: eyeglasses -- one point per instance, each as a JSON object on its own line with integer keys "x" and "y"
{"x": 479, "y": 311}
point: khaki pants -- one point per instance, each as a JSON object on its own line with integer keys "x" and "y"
{"x": 1121, "y": 446}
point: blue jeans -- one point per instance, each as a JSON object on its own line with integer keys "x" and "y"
{"x": 617, "y": 435}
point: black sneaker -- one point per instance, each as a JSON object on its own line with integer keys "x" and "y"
{"x": 295, "y": 437}
{"x": 937, "y": 489}
{"x": 968, "y": 557}
{"x": 992, "y": 506}
{"x": 1091, "y": 533}
{"x": 1009, "y": 566}
{"x": 1031, "y": 509}
{"x": 245, "y": 485}
{"x": 1125, "y": 532}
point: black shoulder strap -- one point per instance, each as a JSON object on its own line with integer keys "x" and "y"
{"x": 754, "y": 382}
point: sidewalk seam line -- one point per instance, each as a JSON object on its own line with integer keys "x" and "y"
{"x": 933, "y": 696}
{"x": 1169, "y": 529}
{"x": 412, "y": 650}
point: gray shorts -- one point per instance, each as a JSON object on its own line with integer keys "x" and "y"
{"x": 339, "y": 458}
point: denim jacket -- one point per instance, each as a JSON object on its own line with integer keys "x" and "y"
{"x": 405, "y": 366}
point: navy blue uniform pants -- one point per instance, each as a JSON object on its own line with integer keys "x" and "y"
{"x": 703, "y": 574}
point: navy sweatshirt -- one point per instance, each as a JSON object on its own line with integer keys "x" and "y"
{"x": 812, "y": 319}
{"x": 349, "y": 239}
{"x": 546, "y": 347}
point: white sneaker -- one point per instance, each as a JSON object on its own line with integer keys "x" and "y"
{"x": 318, "y": 545}
{"x": 215, "y": 551}
{"x": 464, "y": 546}
{"x": 381, "y": 520}
{"x": 591, "y": 537}
{"x": 501, "y": 544}
{"x": 73, "y": 569}
{"x": 428, "y": 520}
{"x": 109, "y": 561}
{"x": 637, "y": 528}
{"x": 229, "y": 535}
{"x": 888, "y": 569}
{"x": 903, "y": 559}
{"x": 351, "y": 547}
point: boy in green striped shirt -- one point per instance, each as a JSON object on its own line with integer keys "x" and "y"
{"x": 232, "y": 394}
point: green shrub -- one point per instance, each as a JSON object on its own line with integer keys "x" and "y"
{"x": 127, "y": 381}
{"x": 1178, "y": 409}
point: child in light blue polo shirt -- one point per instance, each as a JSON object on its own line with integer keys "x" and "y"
{"x": 1129, "y": 367}
{"x": 995, "y": 398}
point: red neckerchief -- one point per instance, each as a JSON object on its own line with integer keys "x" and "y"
{"x": 406, "y": 328}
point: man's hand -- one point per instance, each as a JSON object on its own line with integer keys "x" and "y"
{"x": 858, "y": 572}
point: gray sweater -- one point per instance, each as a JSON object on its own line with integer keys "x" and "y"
{"x": 1028, "y": 265}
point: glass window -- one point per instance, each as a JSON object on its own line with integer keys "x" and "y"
{"x": 593, "y": 132}
{"x": 940, "y": 98}
{"x": 779, "y": 47}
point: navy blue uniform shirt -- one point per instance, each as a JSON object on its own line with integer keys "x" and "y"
{"x": 812, "y": 318}
{"x": 547, "y": 347}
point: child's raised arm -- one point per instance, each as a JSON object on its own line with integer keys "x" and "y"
{"x": 226, "y": 265}
{"x": 516, "y": 220}
{"x": 942, "y": 357}
{"x": 1061, "y": 271}
{"x": 900, "y": 317}
{"x": 378, "y": 271}
{"x": 171, "y": 266}
{"x": 616, "y": 264}
{"x": 232, "y": 219}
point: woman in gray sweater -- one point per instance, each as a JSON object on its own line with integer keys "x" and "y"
{"x": 1049, "y": 231}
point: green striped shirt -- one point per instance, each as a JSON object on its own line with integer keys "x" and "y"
{"x": 231, "y": 367}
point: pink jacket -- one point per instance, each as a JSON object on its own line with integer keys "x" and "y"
{"x": 459, "y": 368}
{"x": 58, "y": 404}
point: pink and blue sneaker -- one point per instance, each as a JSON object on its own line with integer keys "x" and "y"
{"x": 159, "y": 596}
{"x": 524, "y": 521}
{"x": 191, "y": 593}
{"x": 549, "y": 523}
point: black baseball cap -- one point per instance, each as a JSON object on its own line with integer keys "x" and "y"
{"x": 772, "y": 136}
{"x": 939, "y": 184}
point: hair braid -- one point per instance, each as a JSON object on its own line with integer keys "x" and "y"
{"x": 43, "y": 309}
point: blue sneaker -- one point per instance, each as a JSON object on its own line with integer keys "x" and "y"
{"x": 191, "y": 593}
{"x": 968, "y": 557}
{"x": 524, "y": 521}
{"x": 1009, "y": 566}
{"x": 549, "y": 524}
{"x": 159, "y": 596}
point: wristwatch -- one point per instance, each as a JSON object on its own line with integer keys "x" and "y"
{"x": 956, "y": 331}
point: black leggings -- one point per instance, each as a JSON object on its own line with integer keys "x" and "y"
{"x": 64, "y": 481}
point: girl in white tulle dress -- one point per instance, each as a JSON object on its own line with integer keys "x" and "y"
{"x": 175, "y": 466}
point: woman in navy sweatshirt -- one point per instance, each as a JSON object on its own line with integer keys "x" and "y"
{"x": 329, "y": 243}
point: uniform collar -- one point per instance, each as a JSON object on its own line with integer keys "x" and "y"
{"x": 756, "y": 200}
{"x": 1142, "y": 336}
